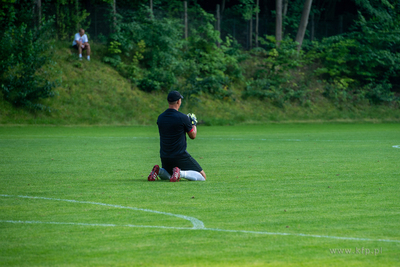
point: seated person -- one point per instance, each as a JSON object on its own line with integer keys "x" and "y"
{"x": 81, "y": 43}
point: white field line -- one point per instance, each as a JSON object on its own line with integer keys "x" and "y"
{"x": 197, "y": 224}
{"x": 205, "y": 229}
{"x": 396, "y": 146}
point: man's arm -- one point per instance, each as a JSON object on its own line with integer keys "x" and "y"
{"x": 192, "y": 134}
{"x": 85, "y": 39}
{"x": 76, "y": 37}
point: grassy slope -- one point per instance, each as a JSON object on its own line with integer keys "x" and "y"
{"x": 93, "y": 93}
{"x": 319, "y": 179}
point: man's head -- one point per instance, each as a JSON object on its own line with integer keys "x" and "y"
{"x": 174, "y": 99}
{"x": 81, "y": 32}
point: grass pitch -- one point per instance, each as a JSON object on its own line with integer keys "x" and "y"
{"x": 284, "y": 194}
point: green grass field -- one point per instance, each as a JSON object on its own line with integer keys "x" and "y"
{"x": 277, "y": 194}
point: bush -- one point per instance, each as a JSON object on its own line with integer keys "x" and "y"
{"x": 279, "y": 95}
{"x": 380, "y": 93}
{"x": 146, "y": 50}
{"x": 23, "y": 55}
{"x": 153, "y": 55}
{"x": 214, "y": 85}
{"x": 368, "y": 58}
{"x": 276, "y": 76}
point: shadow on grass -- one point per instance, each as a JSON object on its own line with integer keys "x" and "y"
{"x": 141, "y": 180}
{"x": 145, "y": 180}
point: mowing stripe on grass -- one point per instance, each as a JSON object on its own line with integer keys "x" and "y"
{"x": 197, "y": 224}
{"x": 101, "y": 224}
{"x": 205, "y": 229}
{"x": 13, "y": 137}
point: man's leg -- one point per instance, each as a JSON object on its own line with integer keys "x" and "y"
{"x": 193, "y": 175}
{"x": 79, "y": 46}
{"x": 193, "y": 172}
{"x": 87, "y": 47}
{"x": 191, "y": 169}
{"x": 164, "y": 175}
{"x": 190, "y": 175}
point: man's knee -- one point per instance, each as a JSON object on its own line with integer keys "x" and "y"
{"x": 203, "y": 174}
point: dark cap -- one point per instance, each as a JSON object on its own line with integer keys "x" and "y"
{"x": 174, "y": 96}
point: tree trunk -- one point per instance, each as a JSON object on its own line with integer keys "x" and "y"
{"x": 39, "y": 6}
{"x": 95, "y": 20}
{"x": 251, "y": 32}
{"x": 222, "y": 8}
{"x": 151, "y": 8}
{"x": 247, "y": 39}
{"x": 114, "y": 14}
{"x": 303, "y": 23}
{"x": 77, "y": 13}
{"x": 278, "y": 29}
{"x": 218, "y": 19}
{"x": 312, "y": 27}
{"x": 186, "y": 19}
{"x": 57, "y": 19}
{"x": 285, "y": 6}
{"x": 218, "y": 24}
{"x": 258, "y": 8}
{"x": 34, "y": 13}
{"x": 234, "y": 28}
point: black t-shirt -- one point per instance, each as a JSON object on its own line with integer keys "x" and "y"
{"x": 173, "y": 126}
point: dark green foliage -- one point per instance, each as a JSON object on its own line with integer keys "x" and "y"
{"x": 360, "y": 65}
{"x": 357, "y": 67}
{"x": 214, "y": 85}
{"x": 210, "y": 69}
{"x": 156, "y": 80}
{"x": 13, "y": 12}
{"x": 24, "y": 52}
{"x": 68, "y": 20}
{"x": 380, "y": 93}
{"x": 153, "y": 54}
{"x": 275, "y": 75}
{"x": 145, "y": 49}
{"x": 360, "y": 61}
{"x": 279, "y": 95}
{"x": 366, "y": 61}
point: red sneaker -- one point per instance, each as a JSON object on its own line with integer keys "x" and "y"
{"x": 176, "y": 175}
{"x": 154, "y": 173}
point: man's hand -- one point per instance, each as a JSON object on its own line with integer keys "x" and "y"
{"x": 192, "y": 118}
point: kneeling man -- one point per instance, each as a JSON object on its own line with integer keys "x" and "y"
{"x": 176, "y": 161}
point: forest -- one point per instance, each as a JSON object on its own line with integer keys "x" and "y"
{"x": 269, "y": 50}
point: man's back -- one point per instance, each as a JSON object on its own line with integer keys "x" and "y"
{"x": 173, "y": 126}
